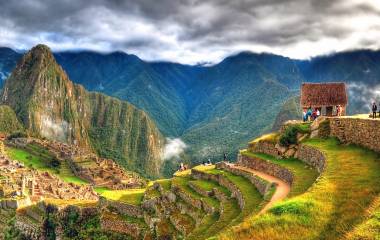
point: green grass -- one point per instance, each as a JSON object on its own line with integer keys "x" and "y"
{"x": 165, "y": 183}
{"x": 231, "y": 211}
{"x": 270, "y": 137}
{"x": 129, "y": 196}
{"x": 39, "y": 162}
{"x": 304, "y": 176}
{"x": 337, "y": 203}
{"x": 251, "y": 196}
{"x": 210, "y": 185}
{"x": 182, "y": 183}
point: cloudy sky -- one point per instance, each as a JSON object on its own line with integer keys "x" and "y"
{"x": 192, "y": 31}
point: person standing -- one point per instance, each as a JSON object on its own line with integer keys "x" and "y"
{"x": 304, "y": 115}
{"x": 374, "y": 110}
{"x": 225, "y": 157}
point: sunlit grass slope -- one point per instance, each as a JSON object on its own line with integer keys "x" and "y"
{"x": 331, "y": 208}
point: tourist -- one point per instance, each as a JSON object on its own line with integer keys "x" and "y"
{"x": 338, "y": 110}
{"x": 374, "y": 110}
{"x": 314, "y": 115}
{"x": 225, "y": 157}
{"x": 309, "y": 113}
{"x": 182, "y": 167}
{"x": 318, "y": 113}
{"x": 304, "y": 115}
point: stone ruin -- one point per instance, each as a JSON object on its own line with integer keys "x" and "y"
{"x": 85, "y": 164}
{"x": 18, "y": 182}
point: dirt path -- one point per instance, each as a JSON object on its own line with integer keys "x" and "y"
{"x": 282, "y": 189}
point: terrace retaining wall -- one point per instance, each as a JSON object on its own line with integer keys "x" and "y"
{"x": 363, "y": 132}
{"x": 266, "y": 167}
{"x": 266, "y": 147}
{"x": 122, "y": 208}
{"x": 312, "y": 157}
{"x": 223, "y": 181}
{"x": 261, "y": 185}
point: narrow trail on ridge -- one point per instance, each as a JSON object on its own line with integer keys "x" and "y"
{"x": 282, "y": 188}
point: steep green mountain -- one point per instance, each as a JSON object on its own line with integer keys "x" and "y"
{"x": 8, "y": 120}
{"x": 50, "y": 105}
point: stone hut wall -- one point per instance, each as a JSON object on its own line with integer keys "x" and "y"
{"x": 363, "y": 132}
{"x": 266, "y": 167}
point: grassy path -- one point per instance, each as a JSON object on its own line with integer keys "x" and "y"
{"x": 282, "y": 188}
{"x": 333, "y": 206}
{"x": 304, "y": 176}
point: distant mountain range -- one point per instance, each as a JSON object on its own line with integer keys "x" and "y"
{"x": 217, "y": 108}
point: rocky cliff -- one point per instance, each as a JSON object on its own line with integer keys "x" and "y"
{"x": 51, "y": 106}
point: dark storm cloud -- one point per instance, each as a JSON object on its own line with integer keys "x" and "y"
{"x": 192, "y": 30}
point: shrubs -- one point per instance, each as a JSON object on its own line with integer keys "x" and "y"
{"x": 289, "y": 136}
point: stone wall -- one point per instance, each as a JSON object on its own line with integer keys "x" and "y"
{"x": 312, "y": 157}
{"x": 15, "y": 203}
{"x": 31, "y": 231}
{"x": 266, "y": 167}
{"x": 120, "y": 226}
{"x": 363, "y": 132}
{"x": 261, "y": 184}
{"x": 223, "y": 181}
{"x": 199, "y": 190}
{"x": 122, "y": 208}
{"x": 266, "y": 147}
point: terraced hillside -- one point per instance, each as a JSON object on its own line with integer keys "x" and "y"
{"x": 324, "y": 190}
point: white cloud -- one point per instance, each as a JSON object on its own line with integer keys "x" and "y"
{"x": 173, "y": 148}
{"x": 193, "y": 31}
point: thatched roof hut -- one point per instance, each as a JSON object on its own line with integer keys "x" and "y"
{"x": 324, "y": 96}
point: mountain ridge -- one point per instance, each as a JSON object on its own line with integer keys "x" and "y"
{"x": 193, "y": 102}
{"x": 50, "y": 105}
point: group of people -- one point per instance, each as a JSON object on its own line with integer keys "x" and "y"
{"x": 183, "y": 167}
{"x": 311, "y": 114}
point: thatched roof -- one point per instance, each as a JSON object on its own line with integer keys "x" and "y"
{"x": 323, "y": 94}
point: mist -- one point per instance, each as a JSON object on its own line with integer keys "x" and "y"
{"x": 173, "y": 148}
{"x": 361, "y": 96}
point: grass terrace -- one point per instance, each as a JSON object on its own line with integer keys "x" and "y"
{"x": 182, "y": 183}
{"x": 336, "y": 206}
{"x": 304, "y": 176}
{"x": 129, "y": 196}
{"x": 210, "y": 185}
{"x": 270, "y": 137}
{"x": 251, "y": 196}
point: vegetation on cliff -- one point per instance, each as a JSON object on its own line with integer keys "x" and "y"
{"x": 51, "y": 106}
{"x": 8, "y": 120}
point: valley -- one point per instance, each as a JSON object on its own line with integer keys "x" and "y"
{"x": 211, "y": 107}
